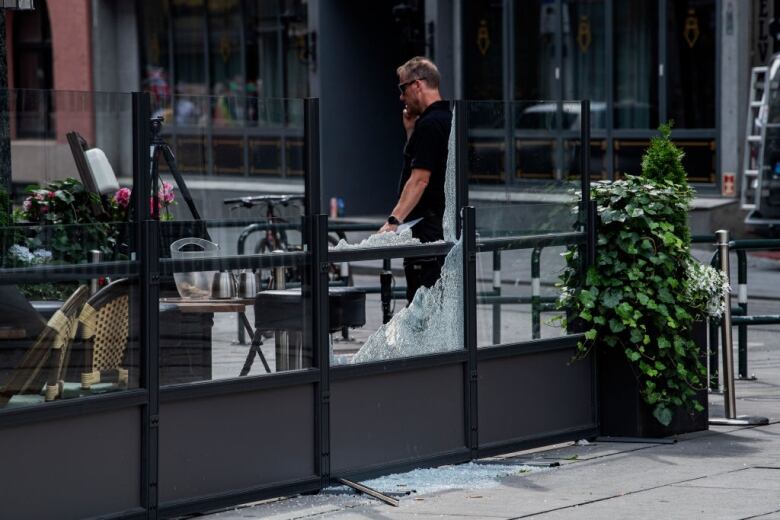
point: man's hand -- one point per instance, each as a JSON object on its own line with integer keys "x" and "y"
{"x": 409, "y": 120}
{"x": 388, "y": 227}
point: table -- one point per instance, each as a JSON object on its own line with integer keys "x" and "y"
{"x": 237, "y": 305}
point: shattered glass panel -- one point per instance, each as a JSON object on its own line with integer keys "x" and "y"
{"x": 433, "y": 321}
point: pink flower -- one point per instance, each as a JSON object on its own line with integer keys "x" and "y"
{"x": 43, "y": 209}
{"x": 39, "y": 197}
{"x": 52, "y": 195}
{"x": 122, "y": 197}
{"x": 27, "y": 204}
{"x": 166, "y": 193}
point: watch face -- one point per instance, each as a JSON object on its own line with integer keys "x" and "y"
{"x": 392, "y": 220}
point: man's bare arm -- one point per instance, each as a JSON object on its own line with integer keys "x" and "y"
{"x": 410, "y": 196}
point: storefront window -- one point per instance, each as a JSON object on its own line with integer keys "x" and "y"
{"x": 584, "y": 55}
{"x": 155, "y": 53}
{"x": 536, "y": 23}
{"x": 636, "y": 64}
{"x": 690, "y": 42}
{"x": 226, "y": 74}
{"x": 482, "y": 50}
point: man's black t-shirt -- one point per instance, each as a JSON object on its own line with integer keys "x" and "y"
{"x": 427, "y": 149}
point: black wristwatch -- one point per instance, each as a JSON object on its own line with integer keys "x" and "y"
{"x": 393, "y": 221}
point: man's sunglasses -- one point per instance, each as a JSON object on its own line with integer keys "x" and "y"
{"x": 402, "y": 86}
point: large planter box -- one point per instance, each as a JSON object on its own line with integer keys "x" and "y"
{"x": 623, "y": 413}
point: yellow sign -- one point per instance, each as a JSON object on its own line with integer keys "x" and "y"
{"x": 483, "y": 37}
{"x": 691, "y": 32}
{"x": 584, "y": 35}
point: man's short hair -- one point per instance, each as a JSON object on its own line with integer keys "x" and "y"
{"x": 420, "y": 67}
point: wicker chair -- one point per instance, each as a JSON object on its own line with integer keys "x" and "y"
{"x": 104, "y": 332}
{"x": 51, "y": 346}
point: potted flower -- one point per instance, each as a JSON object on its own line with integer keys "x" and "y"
{"x": 643, "y": 304}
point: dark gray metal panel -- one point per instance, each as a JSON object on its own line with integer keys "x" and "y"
{"x": 531, "y": 394}
{"x": 394, "y": 417}
{"x": 72, "y": 468}
{"x": 226, "y": 443}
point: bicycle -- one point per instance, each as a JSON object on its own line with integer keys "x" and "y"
{"x": 276, "y": 239}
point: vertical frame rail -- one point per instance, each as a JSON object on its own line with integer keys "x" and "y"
{"x": 469, "y": 241}
{"x": 321, "y": 315}
{"x": 311, "y": 155}
{"x": 587, "y": 206}
{"x": 146, "y": 247}
{"x": 497, "y": 293}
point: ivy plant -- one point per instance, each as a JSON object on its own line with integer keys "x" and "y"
{"x": 639, "y": 298}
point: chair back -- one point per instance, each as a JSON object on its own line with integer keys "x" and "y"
{"x": 104, "y": 329}
{"x": 51, "y": 345}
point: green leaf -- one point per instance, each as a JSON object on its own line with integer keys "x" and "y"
{"x": 590, "y": 334}
{"x": 663, "y": 343}
{"x": 616, "y": 326}
{"x": 662, "y": 414}
{"x": 633, "y": 355}
{"x": 611, "y": 298}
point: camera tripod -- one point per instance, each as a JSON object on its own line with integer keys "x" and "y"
{"x": 159, "y": 148}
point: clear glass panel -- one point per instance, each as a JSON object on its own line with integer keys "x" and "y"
{"x": 598, "y": 158}
{"x": 226, "y": 75}
{"x": 216, "y": 313}
{"x": 482, "y": 49}
{"x": 691, "y": 41}
{"x": 536, "y": 25}
{"x": 516, "y": 291}
{"x": 189, "y": 27}
{"x": 584, "y": 56}
{"x": 636, "y": 64}
{"x": 155, "y": 48}
{"x": 73, "y": 333}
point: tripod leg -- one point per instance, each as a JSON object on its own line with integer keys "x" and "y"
{"x": 250, "y": 356}
{"x": 185, "y": 191}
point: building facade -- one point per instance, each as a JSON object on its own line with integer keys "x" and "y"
{"x": 641, "y": 63}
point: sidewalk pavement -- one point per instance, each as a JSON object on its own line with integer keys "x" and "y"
{"x": 723, "y": 473}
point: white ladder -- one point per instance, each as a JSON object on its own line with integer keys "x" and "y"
{"x": 753, "y": 155}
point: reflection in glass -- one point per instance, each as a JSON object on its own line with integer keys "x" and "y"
{"x": 516, "y": 287}
{"x": 84, "y": 344}
{"x": 482, "y": 50}
{"x": 584, "y": 56}
{"x": 535, "y": 24}
{"x": 598, "y": 158}
{"x": 691, "y": 40}
{"x": 636, "y": 64}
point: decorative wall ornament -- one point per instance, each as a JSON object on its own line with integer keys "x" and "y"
{"x": 584, "y": 34}
{"x": 225, "y": 48}
{"x": 483, "y": 37}
{"x": 691, "y": 32}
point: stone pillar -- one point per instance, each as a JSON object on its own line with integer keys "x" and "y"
{"x": 734, "y": 85}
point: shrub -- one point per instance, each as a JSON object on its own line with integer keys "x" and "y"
{"x": 642, "y": 295}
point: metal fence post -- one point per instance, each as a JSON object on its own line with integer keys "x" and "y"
{"x": 726, "y": 340}
{"x": 729, "y": 398}
{"x": 742, "y": 301}
{"x": 713, "y": 336}
{"x": 469, "y": 244}
{"x": 145, "y": 249}
{"x": 536, "y": 312}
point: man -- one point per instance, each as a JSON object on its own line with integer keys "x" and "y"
{"x": 427, "y": 121}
